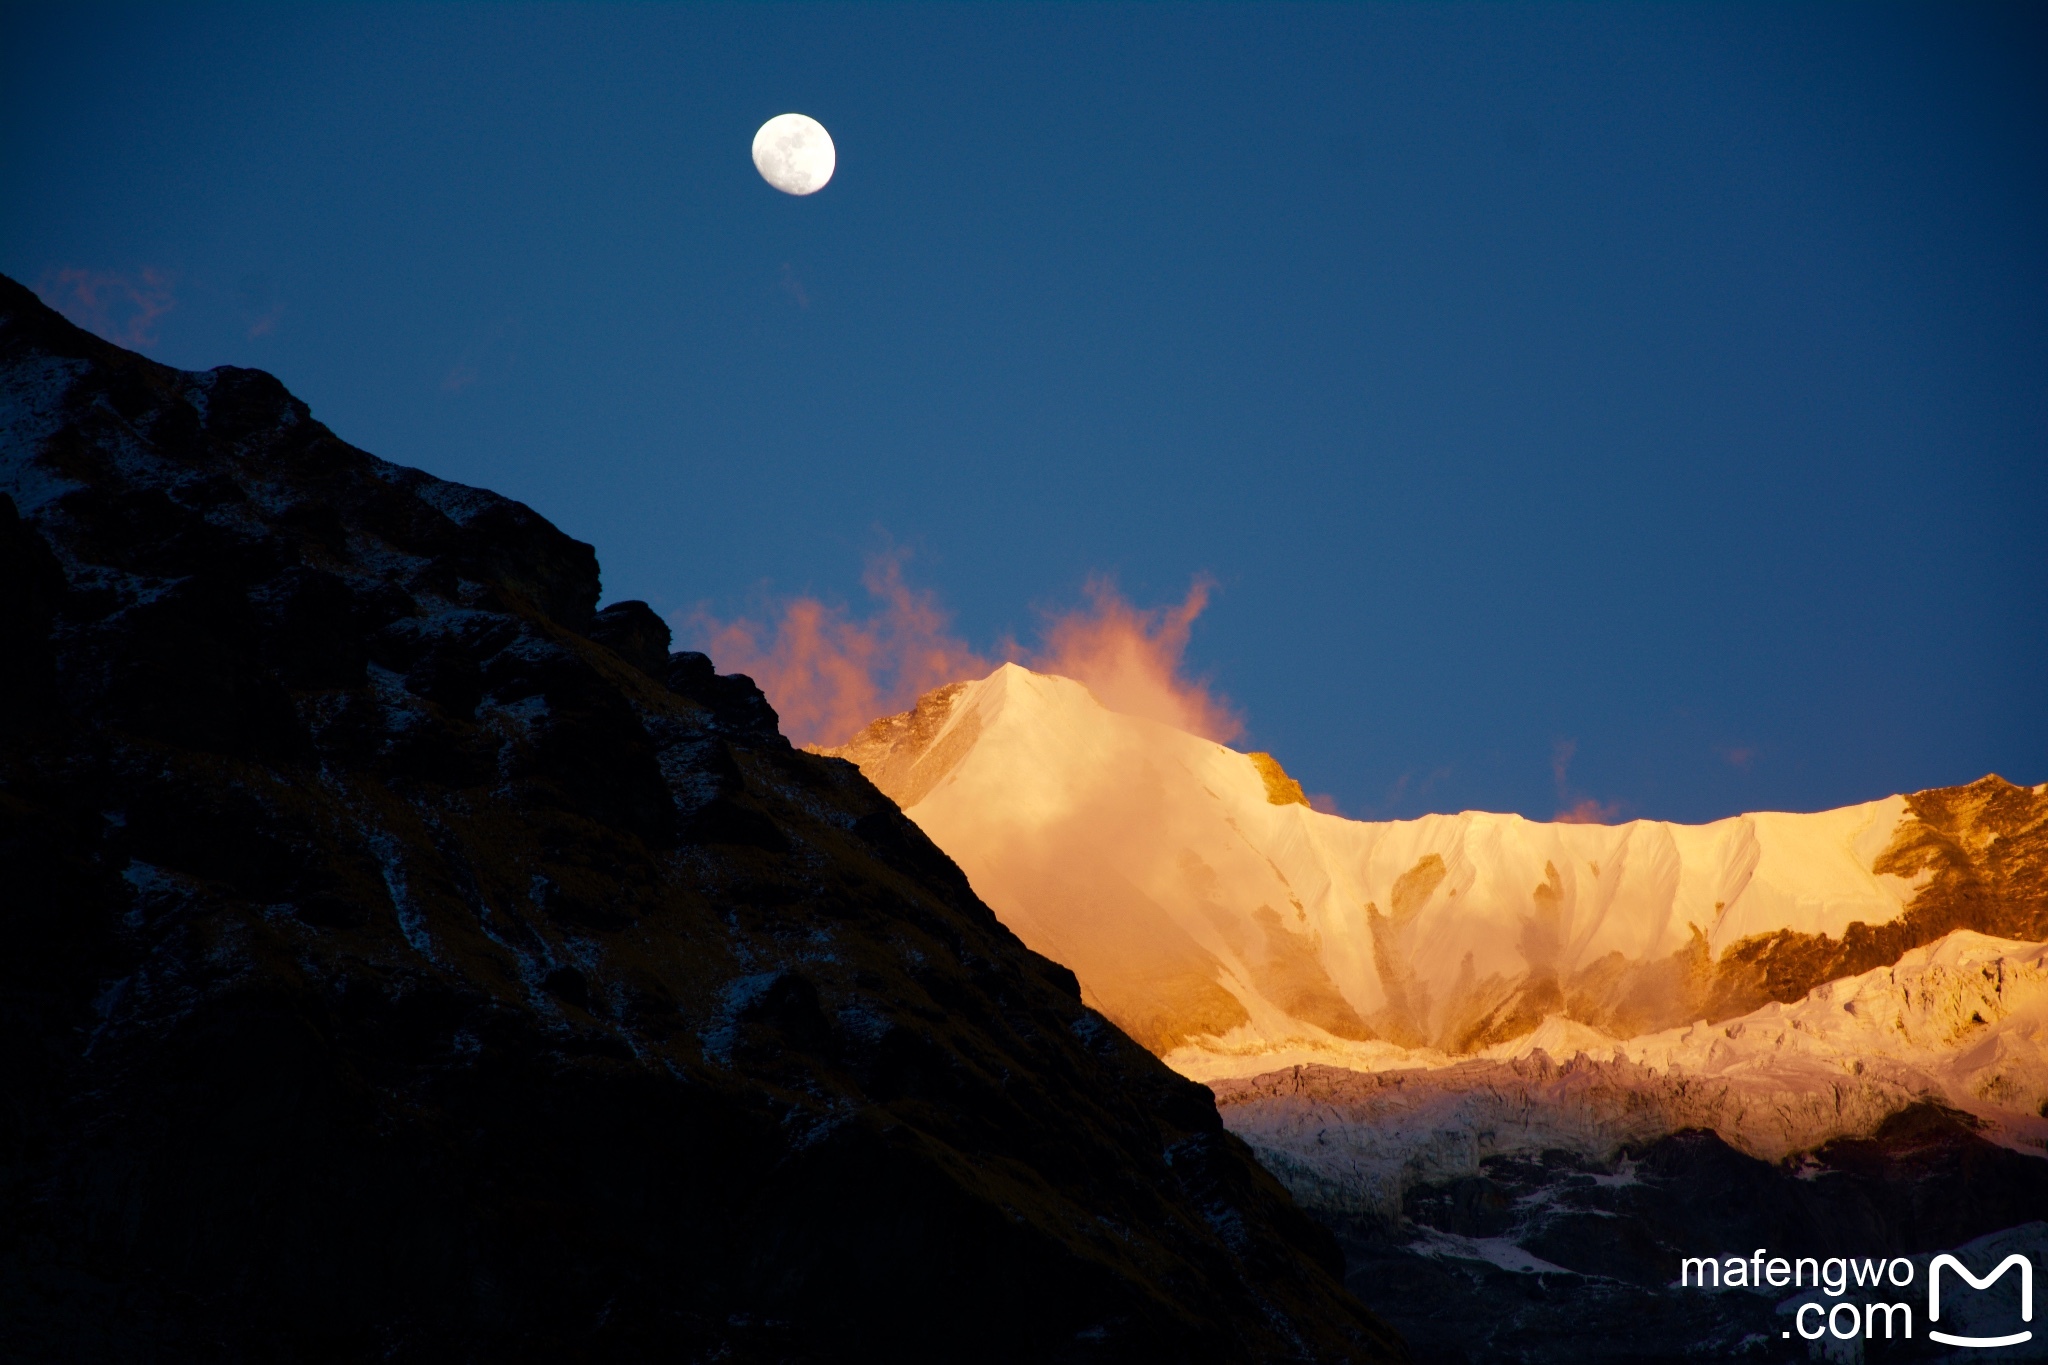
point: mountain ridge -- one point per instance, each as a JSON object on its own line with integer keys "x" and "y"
{"x": 410, "y": 960}
{"x": 1522, "y": 1069}
{"x": 1345, "y": 932}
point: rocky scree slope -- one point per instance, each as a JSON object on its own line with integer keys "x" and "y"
{"x": 402, "y": 958}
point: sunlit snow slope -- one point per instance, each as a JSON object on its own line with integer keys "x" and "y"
{"x": 1226, "y": 925}
{"x": 1961, "y": 1023}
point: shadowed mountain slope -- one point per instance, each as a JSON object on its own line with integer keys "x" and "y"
{"x": 402, "y": 959}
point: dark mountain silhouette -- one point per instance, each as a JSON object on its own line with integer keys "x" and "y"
{"x": 402, "y": 959}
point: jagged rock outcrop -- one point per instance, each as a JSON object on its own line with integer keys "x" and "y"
{"x": 401, "y": 958}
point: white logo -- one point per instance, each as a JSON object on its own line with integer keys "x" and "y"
{"x": 2026, "y": 1298}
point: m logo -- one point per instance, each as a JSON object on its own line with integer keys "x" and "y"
{"x": 2026, "y": 1298}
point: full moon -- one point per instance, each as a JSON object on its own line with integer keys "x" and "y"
{"x": 794, "y": 153}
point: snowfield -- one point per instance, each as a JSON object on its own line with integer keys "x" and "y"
{"x": 1378, "y": 1004}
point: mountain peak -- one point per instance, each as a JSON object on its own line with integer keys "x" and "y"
{"x": 1223, "y": 922}
{"x": 403, "y": 957}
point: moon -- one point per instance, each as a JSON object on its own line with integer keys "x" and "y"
{"x": 794, "y": 153}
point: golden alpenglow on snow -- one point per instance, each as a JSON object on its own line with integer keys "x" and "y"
{"x": 1235, "y": 931}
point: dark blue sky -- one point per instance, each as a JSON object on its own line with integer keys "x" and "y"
{"x": 1668, "y": 385}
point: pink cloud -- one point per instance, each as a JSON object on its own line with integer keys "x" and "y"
{"x": 1561, "y": 760}
{"x": 1589, "y": 812}
{"x": 1131, "y": 659}
{"x": 829, "y": 672}
{"x": 793, "y": 286}
{"x": 1576, "y": 808}
{"x": 124, "y": 309}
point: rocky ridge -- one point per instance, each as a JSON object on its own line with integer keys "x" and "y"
{"x": 406, "y": 959}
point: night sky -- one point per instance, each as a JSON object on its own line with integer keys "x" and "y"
{"x": 1643, "y": 406}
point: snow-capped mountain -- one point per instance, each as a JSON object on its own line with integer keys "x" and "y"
{"x": 1961, "y": 1023}
{"x": 1226, "y": 925}
{"x": 1522, "y": 1068}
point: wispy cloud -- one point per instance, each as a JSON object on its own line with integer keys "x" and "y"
{"x": 829, "y": 672}
{"x": 1131, "y": 658}
{"x": 1589, "y": 812}
{"x": 793, "y": 286}
{"x": 490, "y": 356}
{"x": 257, "y": 301}
{"x": 122, "y": 308}
{"x": 1561, "y": 752}
{"x": 1404, "y": 789}
{"x": 1576, "y": 808}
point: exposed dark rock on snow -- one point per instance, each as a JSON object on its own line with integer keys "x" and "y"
{"x": 1561, "y": 1259}
{"x": 401, "y": 958}
{"x": 1234, "y": 930}
{"x": 1981, "y": 851}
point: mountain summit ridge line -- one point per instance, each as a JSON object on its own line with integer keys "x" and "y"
{"x": 1213, "y": 915}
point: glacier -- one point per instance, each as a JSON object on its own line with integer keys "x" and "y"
{"x": 1520, "y": 1069}
{"x": 1381, "y": 1003}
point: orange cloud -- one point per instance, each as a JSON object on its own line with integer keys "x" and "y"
{"x": 122, "y": 308}
{"x": 1131, "y": 659}
{"x": 794, "y": 287}
{"x": 828, "y": 673}
{"x": 1581, "y": 810}
{"x": 1561, "y": 760}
